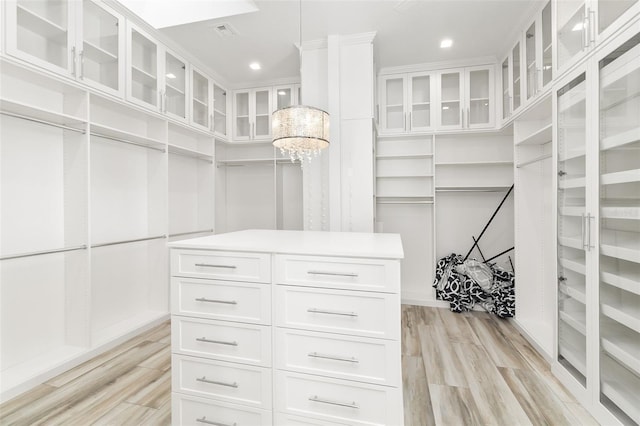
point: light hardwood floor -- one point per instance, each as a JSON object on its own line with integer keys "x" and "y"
{"x": 458, "y": 369}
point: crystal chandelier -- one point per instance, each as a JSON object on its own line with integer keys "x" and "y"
{"x": 300, "y": 131}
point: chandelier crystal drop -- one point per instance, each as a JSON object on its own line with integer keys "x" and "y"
{"x": 300, "y": 131}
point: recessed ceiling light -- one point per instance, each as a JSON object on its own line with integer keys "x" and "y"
{"x": 171, "y": 75}
{"x": 447, "y": 42}
{"x": 254, "y": 66}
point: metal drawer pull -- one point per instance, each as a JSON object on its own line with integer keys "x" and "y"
{"x": 213, "y": 382}
{"x": 220, "y": 342}
{"x": 323, "y": 311}
{"x": 330, "y": 402}
{"x": 333, "y": 357}
{"x": 338, "y": 274}
{"x": 209, "y": 422}
{"x": 207, "y": 265}
{"x": 226, "y": 302}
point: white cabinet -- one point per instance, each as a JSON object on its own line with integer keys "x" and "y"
{"x": 465, "y": 98}
{"x": 285, "y": 96}
{"x": 174, "y": 83}
{"x": 83, "y": 40}
{"x": 583, "y": 24}
{"x": 201, "y": 100}
{"x": 144, "y": 67}
{"x": 219, "y": 110}
{"x": 406, "y": 103}
{"x": 538, "y": 50}
{"x": 598, "y": 184}
{"x": 252, "y": 114}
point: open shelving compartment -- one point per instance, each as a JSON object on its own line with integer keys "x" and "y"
{"x": 43, "y": 244}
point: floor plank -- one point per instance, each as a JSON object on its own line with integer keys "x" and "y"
{"x": 441, "y": 362}
{"x": 457, "y": 327}
{"x": 502, "y": 353}
{"x": 416, "y": 393}
{"x": 154, "y": 394}
{"x": 454, "y": 406}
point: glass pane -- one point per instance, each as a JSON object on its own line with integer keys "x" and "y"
{"x": 530, "y": 46}
{"x": 571, "y": 15}
{"x": 547, "y": 49}
{"x": 42, "y": 28}
{"x": 395, "y": 92}
{"x": 144, "y": 77}
{"x": 505, "y": 89}
{"x": 480, "y": 98}
{"x": 610, "y": 10}
{"x": 262, "y": 125}
{"x": 515, "y": 54}
{"x": 420, "y": 101}
{"x": 620, "y": 232}
{"x": 219, "y": 110}
{"x": 284, "y": 97}
{"x": 100, "y": 45}
{"x": 262, "y": 102}
{"x": 200, "y": 98}
{"x": 571, "y": 226}
{"x": 175, "y": 81}
{"x": 450, "y": 87}
{"x": 242, "y": 104}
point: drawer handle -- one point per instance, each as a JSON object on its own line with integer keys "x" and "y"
{"x": 207, "y": 265}
{"x": 333, "y": 357}
{"x": 331, "y": 402}
{"x": 220, "y": 342}
{"x": 338, "y": 274}
{"x": 324, "y": 311}
{"x": 226, "y": 302}
{"x": 214, "y": 382}
{"x": 209, "y": 422}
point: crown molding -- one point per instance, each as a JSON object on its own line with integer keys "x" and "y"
{"x": 359, "y": 38}
{"x": 485, "y": 60}
{"x": 318, "y": 44}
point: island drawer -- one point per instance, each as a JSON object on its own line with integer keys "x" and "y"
{"x": 221, "y": 265}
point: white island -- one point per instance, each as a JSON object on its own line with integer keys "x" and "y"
{"x": 286, "y": 328}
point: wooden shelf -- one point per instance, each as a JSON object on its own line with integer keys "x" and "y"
{"x": 575, "y": 320}
{"x": 573, "y": 154}
{"x": 41, "y": 25}
{"x": 143, "y": 76}
{"x": 579, "y": 182}
{"x": 620, "y": 209}
{"x": 621, "y": 139}
{"x": 49, "y": 116}
{"x": 620, "y": 245}
{"x": 628, "y": 316}
{"x": 539, "y": 137}
{"x": 573, "y": 291}
{"x": 98, "y": 54}
{"x": 575, "y": 265}
{"x": 620, "y": 275}
{"x": 113, "y": 133}
{"x": 571, "y": 241}
{"x": 626, "y": 176}
{"x": 620, "y": 387}
{"x": 621, "y": 344}
{"x": 175, "y": 149}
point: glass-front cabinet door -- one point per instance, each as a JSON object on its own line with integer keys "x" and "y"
{"x": 516, "y": 82}
{"x": 261, "y": 126}
{"x": 547, "y": 45}
{"x": 174, "y": 95}
{"x": 420, "y": 110}
{"x": 219, "y": 110}
{"x": 479, "y": 94}
{"x": 42, "y": 33}
{"x": 200, "y": 100}
{"x": 450, "y": 99}
{"x": 283, "y": 96}
{"x": 393, "y": 103}
{"x": 101, "y": 60}
{"x": 531, "y": 83}
{"x": 610, "y": 11}
{"x": 573, "y": 30}
{"x": 241, "y": 115}
{"x": 142, "y": 73}
{"x": 506, "y": 90}
{"x": 572, "y": 223}
{"x": 619, "y": 238}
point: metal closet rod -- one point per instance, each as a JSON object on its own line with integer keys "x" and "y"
{"x": 113, "y": 243}
{"x": 405, "y": 202}
{"x": 38, "y": 253}
{"x": 112, "y": 138}
{"x": 37, "y": 120}
{"x": 472, "y": 189}
{"x": 196, "y": 156}
{"x": 533, "y": 160}
{"x": 189, "y": 233}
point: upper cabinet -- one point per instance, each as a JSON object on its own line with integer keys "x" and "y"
{"x": 83, "y": 40}
{"x": 201, "y": 100}
{"x": 406, "y": 102}
{"x": 174, "y": 92}
{"x": 465, "y": 98}
{"x": 220, "y": 110}
{"x": 252, "y": 114}
{"x": 583, "y": 24}
{"x": 143, "y": 71}
{"x": 286, "y": 96}
{"x": 538, "y": 53}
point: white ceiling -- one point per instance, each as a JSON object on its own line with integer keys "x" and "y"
{"x": 408, "y": 32}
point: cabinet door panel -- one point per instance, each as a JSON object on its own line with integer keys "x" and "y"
{"x": 450, "y": 112}
{"x": 219, "y": 110}
{"x": 200, "y": 100}
{"x": 420, "y": 107}
{"x": 175, "y": 86}
{"x": 480, "y": 98}
{"x": 516, "y": 82}
{"x": 242, "y": 124}
{"x": 143, "y": 71}
{"x": 262, "y": 119}
{"x": 572, "y": 27}
{"x": 392, "y": 98}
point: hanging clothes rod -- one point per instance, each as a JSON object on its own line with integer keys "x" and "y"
{"x": 38, "y": 253}
{"x": 45, "y": 122}
{"x": 496, "y": 189}
{"x": 100, "y": 135}
{"x": 196, "y": 156}
{"x": 127, "y": 241}
{"x": 533, "y": 160}
{"x": 189, "y": 233}
{"x": 405, "y": 202}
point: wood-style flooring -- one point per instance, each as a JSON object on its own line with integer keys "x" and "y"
{"x": 458, "y": 369}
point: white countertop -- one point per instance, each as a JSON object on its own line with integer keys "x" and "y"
{"x": 351, "y": 244}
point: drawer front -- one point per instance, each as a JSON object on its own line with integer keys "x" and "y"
{"x": 223, "y": 300}
{"x": 346, "y": 357}
{"x": 235, "y": 383}
{"x": 244, "y": 343}
{"x": 336, "y": 272}
{"x": 338, "y": 400}
{"x": 193, "y": 411}
{"x": 220, "y": 265}
{"x": 282, "y": 419}
{"x": 338, "y": 311}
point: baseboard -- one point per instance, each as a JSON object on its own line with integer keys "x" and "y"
{"x": 522, "y": 329}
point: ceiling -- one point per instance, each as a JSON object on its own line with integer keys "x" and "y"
{"x": 408, "y": 32}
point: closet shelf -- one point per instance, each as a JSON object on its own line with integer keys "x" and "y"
{"x": 249, "y": 161}
{"x": 572, "y": 211}
{"x": 621, "y": 139}
{"x": 533, "y": 160}
{"x": 575, "y": 265}
{"x": 108, "y": 132}
{"x": 574, "y": 292}
{"x": 174, "y": 149}
{"x": 199, "y": 102}
{"x": 571, "y": 183}
{"x": 394, "y": 106}
{"x": 574, "y": 353}
{"x": 143, "y": 76}
{"x": 98, "y": 54}
{"x": 572, "y": 154}
{"x": 539, "y": 137}
{"x": 41, "y": 25}
{"x": 628, "y": 315}
{"x": 620, "y": 387}
{"x": 401, "y": 156}
{"x": 620, "y": 209}
{"x": 476, "y": 163}
{"x": 123, "y": 328}
{"x": 572, "y": 99}
{"x": 472, "y": 188}
{"x": 621, "y": 344}
{"x": 573, "y": 241}
{"x": 626, "y": 176}
{"x": 622, "y": 68}
{"x": 219, "y": 111}
{"x": 620, "y": 245}
{"x": 175, "y": 90}
{"x": 575, "y": 321}
{"x": 620, "y": 275}
{"x": 40, "y": 114}
{"x": 421, "y": 104}
{"x": 403, "y": 176}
